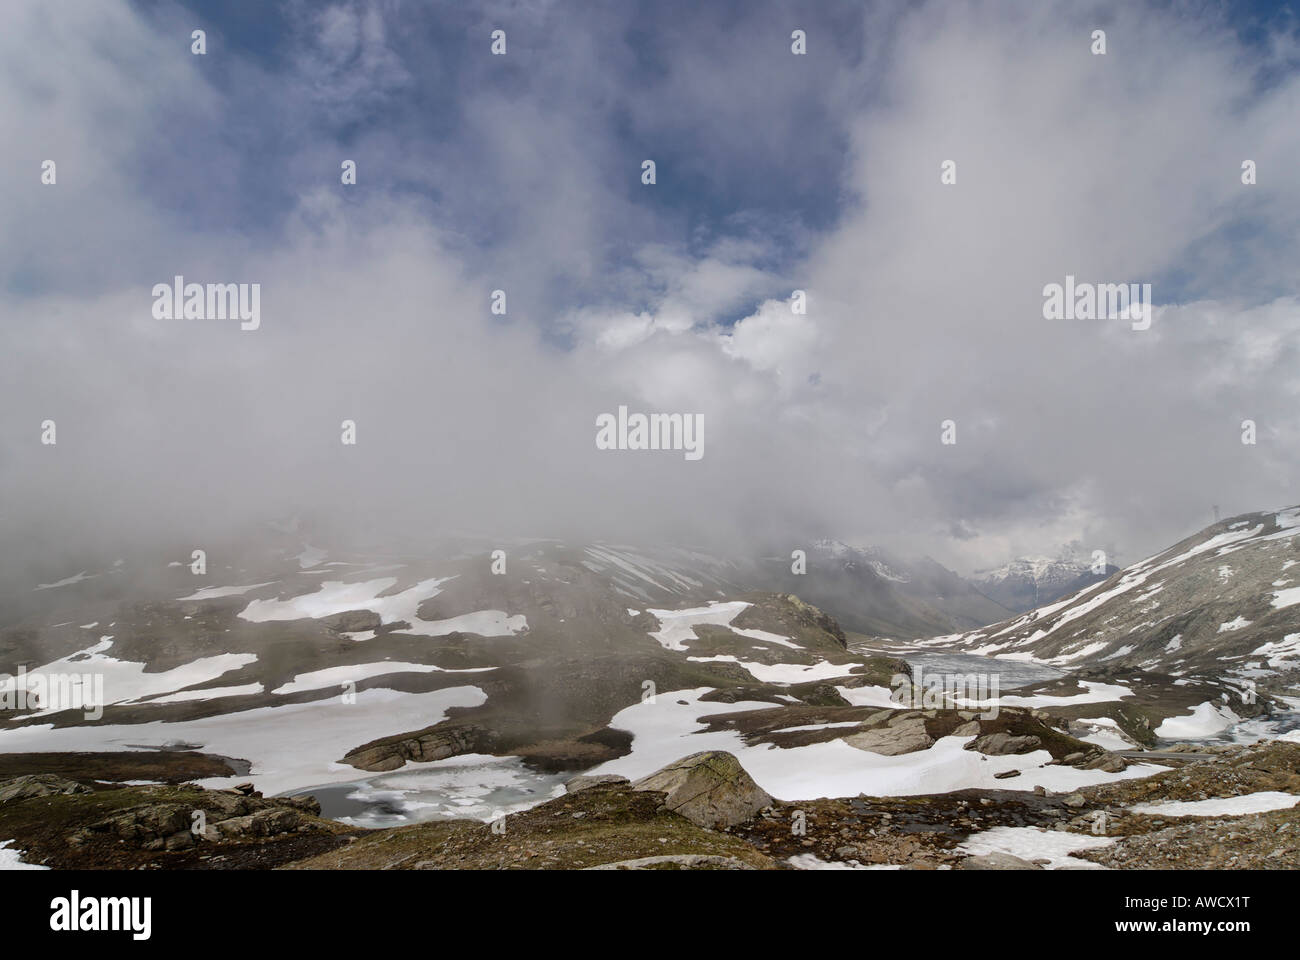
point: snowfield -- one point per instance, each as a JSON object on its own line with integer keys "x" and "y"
{"x": 337, "y": 596}
{"x": 668, "y": 729}
{"x": 291, "y": 746}
{"x": 1206, "y": 720}
{"x": 125, "y": 680}
{"x": 9, "y": 859}
{"x": 1034, "y": 843}
{"x": 1241, "y": 806}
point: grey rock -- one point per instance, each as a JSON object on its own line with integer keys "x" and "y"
{"x": 1107, "y": 762}
{"x": 710, "y": 789}
{"x": 304, "y": 802}
{"x": 353, "y": 621}
{"x": 1002, "y": 744}
{"x": 890, "y": 741}
{"x": 587, "y": 781}
{"x": 267, "y": 822}
{"x": 38, "y": 785}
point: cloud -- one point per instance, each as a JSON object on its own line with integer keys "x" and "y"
{"x": 775, "y": 173}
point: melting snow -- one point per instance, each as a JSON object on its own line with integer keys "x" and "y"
{"x": 126, "y": 680}
{"x": 209, "y": 593}
{"x": 291, "y": 746}
{"x": 210, "y": 693}
{"x": 1206, "y": 720}
{"x": 784, "y": 673}
{"x": 1034, "y": 843}
{"x": 676, "y": 627}
{"x": 9, "y": 859}
{"x": 356, "y": 672}
{"x": 1286, "y": 598}
{"x": 1279, "y": 652}
{"x": 1241, "y": 806}
{"x": 667, "y": 730}
{"x": 337, "y": 596}
{"x": 67, "y": 582}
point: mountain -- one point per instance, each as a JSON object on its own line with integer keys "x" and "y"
{"x": 1223, "y": 601}
{"x": 1029, "y": 582}
{"x": 523, "y": 649}
{"x": 878, "y": 593}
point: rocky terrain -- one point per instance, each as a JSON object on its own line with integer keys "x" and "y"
{"x": 328, "y": 708}
{"x": 1222, "y": 599}
{"x": 76, "y": 824}
{"x": 700, "y": 812}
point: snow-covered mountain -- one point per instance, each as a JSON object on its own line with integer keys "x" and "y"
{"x": 1223, "y": 601}
{"x": 1029, "y": 582}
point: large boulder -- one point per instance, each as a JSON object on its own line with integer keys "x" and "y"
{"x": 352, "y": 621}
{"x": 267, "y": 822}
{"x": 1107, "y": 763}
{"x": 433, "y": 744}
{"x": 905, "y": 737}
{"x": 710, "y": 789}
{"x": 1002, "y": 744}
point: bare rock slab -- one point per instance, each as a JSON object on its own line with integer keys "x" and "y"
{"x": 906, "y": 737}
{"x": 1003, "y": 744}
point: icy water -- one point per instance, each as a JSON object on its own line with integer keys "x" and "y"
{"x": 1010, "y": 673}
{"x": 473, "y": 786}
{"x": 1248, "y": 731}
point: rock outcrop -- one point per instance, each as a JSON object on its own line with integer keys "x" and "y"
{"x": 710, "y": 789}
{"x": 1003, "y": 744}
{"x": 38, "y": 785}
{"x": 586, "y": 782}
{"x": 906, "y": 736}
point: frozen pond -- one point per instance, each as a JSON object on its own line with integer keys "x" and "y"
{"x": 472, "y": 786}
{"x": 1260, "y": 728}
{"x": 1010, "y": 673}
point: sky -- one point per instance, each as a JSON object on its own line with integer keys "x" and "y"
{"x": 774, "y": 172}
